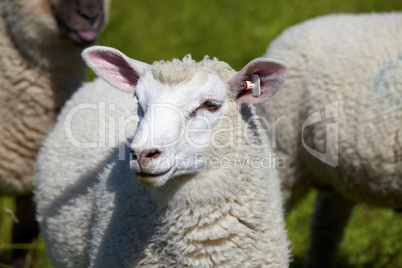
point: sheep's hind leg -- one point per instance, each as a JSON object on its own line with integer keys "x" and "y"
{"x": 26, "y": 230}
{"x": 327, "y": 226}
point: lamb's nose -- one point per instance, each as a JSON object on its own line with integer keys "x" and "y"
{"x": 145, "y": 155}
{"x": 150, "y": 154}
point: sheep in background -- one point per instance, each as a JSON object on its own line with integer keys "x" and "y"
{"x": 349, "y": 68}
{"x": 194, "y": 199}
{"x": 40, "y": 67}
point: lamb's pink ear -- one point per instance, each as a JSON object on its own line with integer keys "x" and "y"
{"x": 114, "y": 67}
{"x": 272, "y": 73}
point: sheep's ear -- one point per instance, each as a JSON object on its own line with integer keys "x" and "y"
{"x": 272, "y": 74}
{"x": 114, "y": 67}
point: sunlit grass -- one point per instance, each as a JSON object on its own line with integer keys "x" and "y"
{"x": 6, "y": 205}
{"x": 36, "y": 257}
{"x": 372, "y": 238}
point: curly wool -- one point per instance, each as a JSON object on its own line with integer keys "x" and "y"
{"x": 359, "y": 67}
{"x": 350, "y": 66}
{"x": 94, "y": 213}
{"x": 39, "y": 71}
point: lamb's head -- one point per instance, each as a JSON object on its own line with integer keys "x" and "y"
{"x": 181, "y": 106}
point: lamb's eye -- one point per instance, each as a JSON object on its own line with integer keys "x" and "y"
{"x": 211, "y": 106}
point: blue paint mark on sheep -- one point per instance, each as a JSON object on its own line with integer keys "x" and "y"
{"x": 381, "y": 78}
{"x": 385, "y": 95}
{"x": 382, "y": 92}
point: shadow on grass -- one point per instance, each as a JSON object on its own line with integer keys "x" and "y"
{"x": 35, "y": 258}
{"x": 4, "y": 260}
{"x": 340, "y": 262}
{"x": 5, "y": 255}
{"x": 297, "y": 262}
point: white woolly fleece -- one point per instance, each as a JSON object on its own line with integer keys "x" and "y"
{"x": 39, "y": 71}
{"x": 356, "y": 61}
{"x": 65, "y": 195}
{"x": 347, "y": 79}
{"x": 94, "y": 213}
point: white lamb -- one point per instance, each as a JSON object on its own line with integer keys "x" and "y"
{"x": 40, "y": 67}
{"x": 199, "y": 196}
{"x": 349, "y": 68}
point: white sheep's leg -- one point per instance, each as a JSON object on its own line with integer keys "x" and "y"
{"x": 329, "y": 220}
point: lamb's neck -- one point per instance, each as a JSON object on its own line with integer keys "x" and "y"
{"x": 196, "y": 190}
{"x": 223, "y": 178}
{"x": 209, "y": 213}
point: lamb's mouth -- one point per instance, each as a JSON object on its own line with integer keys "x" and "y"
{"x": 151, "y": 180}
{"x": 144, "y": 174}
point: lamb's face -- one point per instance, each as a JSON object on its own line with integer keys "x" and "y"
{"x": 180, "y": 106}
{"x": 177, "y": 123}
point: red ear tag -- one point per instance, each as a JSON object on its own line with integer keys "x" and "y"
{"x": 248, "y": 85}
{"x": 254, "y": 86}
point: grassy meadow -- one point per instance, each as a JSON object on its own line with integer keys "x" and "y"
{"x": 237, "y": 31}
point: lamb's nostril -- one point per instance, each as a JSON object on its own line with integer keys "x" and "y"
{"x": 150, "y": 154}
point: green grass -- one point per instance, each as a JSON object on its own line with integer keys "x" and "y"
{"x": 237, "y": 31}
{"x": 6, "y": 221}
{"x": 372, "y": 238}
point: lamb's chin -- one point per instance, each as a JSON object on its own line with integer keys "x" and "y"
{"x": 153, "y": 181}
